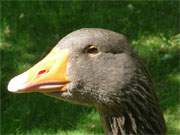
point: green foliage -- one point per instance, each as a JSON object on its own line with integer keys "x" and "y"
{"x": 30, "y": 29}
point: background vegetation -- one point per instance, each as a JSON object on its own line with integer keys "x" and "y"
{"x": 30, "y": 29}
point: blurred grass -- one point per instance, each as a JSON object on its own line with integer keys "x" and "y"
{"x": 30, "y": 29}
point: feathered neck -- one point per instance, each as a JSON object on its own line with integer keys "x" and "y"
{"x": 119, "y": 124}
{"x": 136, "y": 112}
{"x": 131, "y": 123}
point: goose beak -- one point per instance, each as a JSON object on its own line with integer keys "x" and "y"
{"x": 49, "y": 75}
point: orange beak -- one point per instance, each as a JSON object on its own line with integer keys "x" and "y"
{"x": 48, "y": 75}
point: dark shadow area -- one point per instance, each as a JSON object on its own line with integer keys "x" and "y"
{"x": 30, "y": 29}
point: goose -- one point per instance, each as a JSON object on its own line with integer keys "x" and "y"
{"x": 97, "y": 67}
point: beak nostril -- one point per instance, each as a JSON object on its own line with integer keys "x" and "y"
{"x": 42, "y": 72}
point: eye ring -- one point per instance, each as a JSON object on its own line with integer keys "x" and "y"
{"x": 91, "y": 49}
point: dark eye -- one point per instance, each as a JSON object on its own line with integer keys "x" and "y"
{"x": 91, "y": 49}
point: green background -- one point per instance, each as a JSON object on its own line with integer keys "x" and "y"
{"x": 30, "y": 29}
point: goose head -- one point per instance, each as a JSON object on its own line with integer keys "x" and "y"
{"x": 96, "y": 67}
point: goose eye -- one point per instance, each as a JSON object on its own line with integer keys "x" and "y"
{"x": 92, "y": 49}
